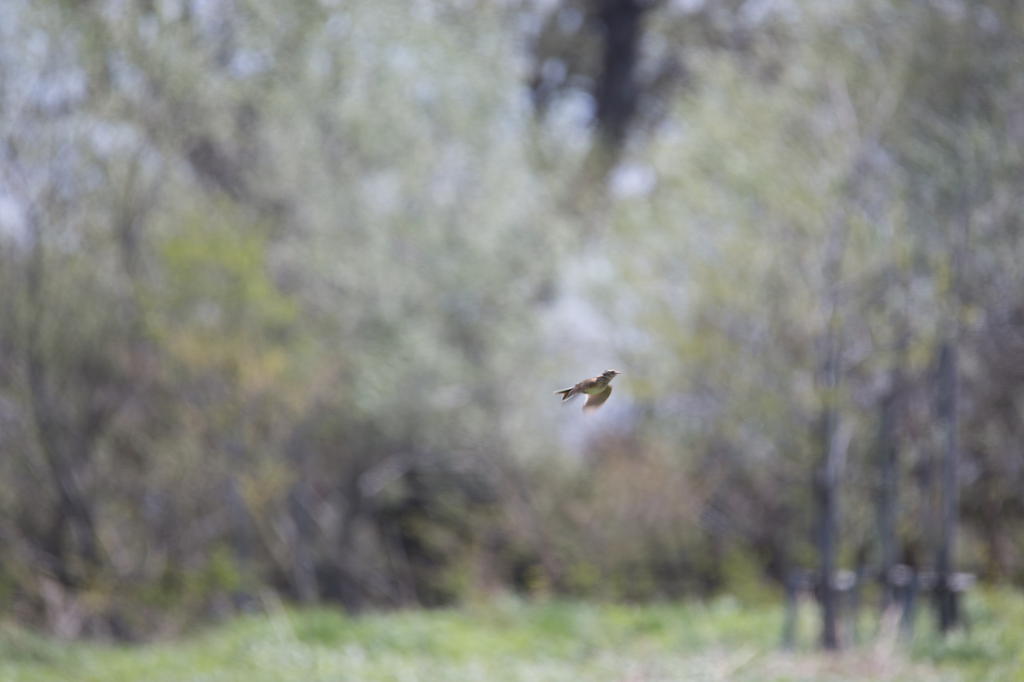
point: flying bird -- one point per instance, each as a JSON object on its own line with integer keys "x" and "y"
{"x": 597, "y": 389}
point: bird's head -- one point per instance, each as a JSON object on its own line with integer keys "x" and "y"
{"x": 610, "y": 373}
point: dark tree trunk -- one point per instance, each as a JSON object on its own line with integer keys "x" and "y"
{"x": 789, "y": 624}
{"x": 948, "y": 393}
{"x": 948, "y": 408}
{"x": 616, "y": 94}
{"x": 826, "y": 483}
{"x": 887, "y": 468}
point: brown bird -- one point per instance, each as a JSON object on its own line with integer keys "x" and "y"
{"x": 597, "y": 389}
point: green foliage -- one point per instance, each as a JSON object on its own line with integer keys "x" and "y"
{"x": 221, "y": 571}
{"x": 216, "y": 276}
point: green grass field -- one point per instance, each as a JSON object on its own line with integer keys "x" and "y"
{"x": 509, "y": 639}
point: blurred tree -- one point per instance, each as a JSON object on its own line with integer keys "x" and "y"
{"x": 339, "y": 267}
{"x": 955, "y": 135}
{"x": 76, "y": 355}
{"x": 782, "y": 246}
{"x": 283, "y": 289}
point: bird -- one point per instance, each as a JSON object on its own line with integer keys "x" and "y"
{"x": 597, "y": 389}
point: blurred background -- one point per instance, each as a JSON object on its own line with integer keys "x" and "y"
{"x": 286, "y": 289}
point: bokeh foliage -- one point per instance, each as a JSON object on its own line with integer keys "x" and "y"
{"x": 285, "y": 291}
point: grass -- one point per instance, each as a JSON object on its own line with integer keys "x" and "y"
{"x": 509, "y": 639}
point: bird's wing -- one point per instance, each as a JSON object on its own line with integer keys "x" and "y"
{"x": 596, "y": 400}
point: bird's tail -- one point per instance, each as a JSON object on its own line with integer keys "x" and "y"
{"x": 566, "y": 393}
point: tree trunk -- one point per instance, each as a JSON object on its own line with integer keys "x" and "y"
{"x": 66, "y": 448}
{"x": 948, "y": 403}
{"x": 616, "y": 90}
{"x": 887, "y": 468}
{"x": 826, "y": 484}
{"x": 948, "y": 394}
